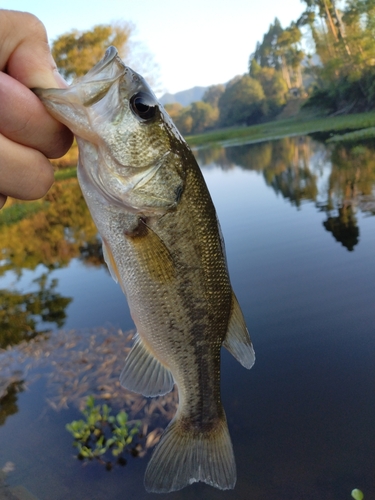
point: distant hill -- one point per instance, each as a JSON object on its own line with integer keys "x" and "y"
{"x": 185, "y": 97}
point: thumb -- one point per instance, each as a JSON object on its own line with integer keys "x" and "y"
{"x": 24, "y": 51}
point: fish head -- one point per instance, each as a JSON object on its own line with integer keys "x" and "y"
{"x": 130, "y": 150}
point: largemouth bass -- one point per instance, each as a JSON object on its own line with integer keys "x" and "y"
{"x": 162, "y": 243}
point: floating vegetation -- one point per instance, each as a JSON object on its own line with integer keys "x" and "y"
{"x": 102, "y": 432}
{"x": 82, "y": 363}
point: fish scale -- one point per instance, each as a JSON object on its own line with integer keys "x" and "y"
{"x": 162, "y": 243}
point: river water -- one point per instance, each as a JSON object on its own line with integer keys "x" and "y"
{"x": 299, "y": 227}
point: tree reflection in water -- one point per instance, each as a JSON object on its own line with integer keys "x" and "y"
{"x": 53, "y": 236}
{"x": 61, "y": 230}
{"x": 344, "y": 227}
{"x": 22, "y": 314}
{"x": 8, "y": 398}
{"x": 293, "y": 166}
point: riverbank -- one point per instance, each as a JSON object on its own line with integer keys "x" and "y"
{"x": 284, "y": 128}
{"x": 335, "y": 127}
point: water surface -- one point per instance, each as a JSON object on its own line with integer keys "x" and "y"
{"x": 300, "y": 232}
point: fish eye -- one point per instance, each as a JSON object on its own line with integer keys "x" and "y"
{"x": 143, "y": 105}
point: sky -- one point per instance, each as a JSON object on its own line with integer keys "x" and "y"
{"x": 194, "y": 42}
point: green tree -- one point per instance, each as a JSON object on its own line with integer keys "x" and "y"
{"x": 196, "y": 118}
{"x": 243, "y": 102}
{"x": 265, "y": 53}
{"x": 184, "y": 121}
{"x": 344, "y": 42}
{"x": 273, "y": 84}
{"x": 204, "y": 116}
{"x": 282, "y": 52}
{"x": 174, "y": 109}
{"x": 291, "y": 55}
{"x": 213, "y": 94}
{"x": 76, "y": 52}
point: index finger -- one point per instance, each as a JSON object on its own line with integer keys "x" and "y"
{"x": 24, "y": 50}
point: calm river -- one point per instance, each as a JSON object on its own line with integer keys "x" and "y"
{"x": 299, "y": 227}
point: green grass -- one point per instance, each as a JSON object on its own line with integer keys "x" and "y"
{"x": 283, "y": 128}
{"x": 65, "y": 173}
{"x": 357, "y": 135}
{"x": 23, "y": 209}
{"x": 18, "y": 211}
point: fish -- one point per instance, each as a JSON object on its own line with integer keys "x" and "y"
{"x": 163, "y": 244}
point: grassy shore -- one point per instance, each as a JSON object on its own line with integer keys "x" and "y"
{"x": 284, "y": 128}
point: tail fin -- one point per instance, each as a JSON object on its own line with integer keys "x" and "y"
{"x": 182, "y": 458}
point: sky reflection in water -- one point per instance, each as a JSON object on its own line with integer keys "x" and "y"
{"x": 299, "y": 232}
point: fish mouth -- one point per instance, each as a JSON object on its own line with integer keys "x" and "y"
{"x": 67, "y": 105}
{"x": 108, "y": 69}
{"x": 96, "y": 80}
{"x": 109, "y": 56}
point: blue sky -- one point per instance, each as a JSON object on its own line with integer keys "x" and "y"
{"x": 194, "y": 42}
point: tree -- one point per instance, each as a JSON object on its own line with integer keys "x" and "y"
{"x": 196, "y": 118}
{"x": 344, "y": 42}
{"x": 213, "y": 94}
{"x": 274, "y": 86}
{"x": 281, "y": 51}
{"x": 291, "y": 55}
{"x": 173, "y": 109}
{"x": 76, "y": 52}
{"x": 204, "y": 116}
{"x": 184, "y": 121}
{"x": 265, "y": 53}
{"x": 243, "y": 102}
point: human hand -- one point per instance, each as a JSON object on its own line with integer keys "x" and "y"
{"x": 28, "y": 133}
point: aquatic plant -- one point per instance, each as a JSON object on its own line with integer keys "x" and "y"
{"x": 101, "y": 432}
{"x": 357, "y": 494}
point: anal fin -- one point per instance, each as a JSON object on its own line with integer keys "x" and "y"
{"x": 144, "y": 374}
{"x": 237, "y": 340}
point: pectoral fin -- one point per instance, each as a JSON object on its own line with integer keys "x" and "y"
{"x": 112, "y": 266}
{"x": 144, "y": 374}
{"x": 152, "y": 253}
{"x": 237, "y": 340}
